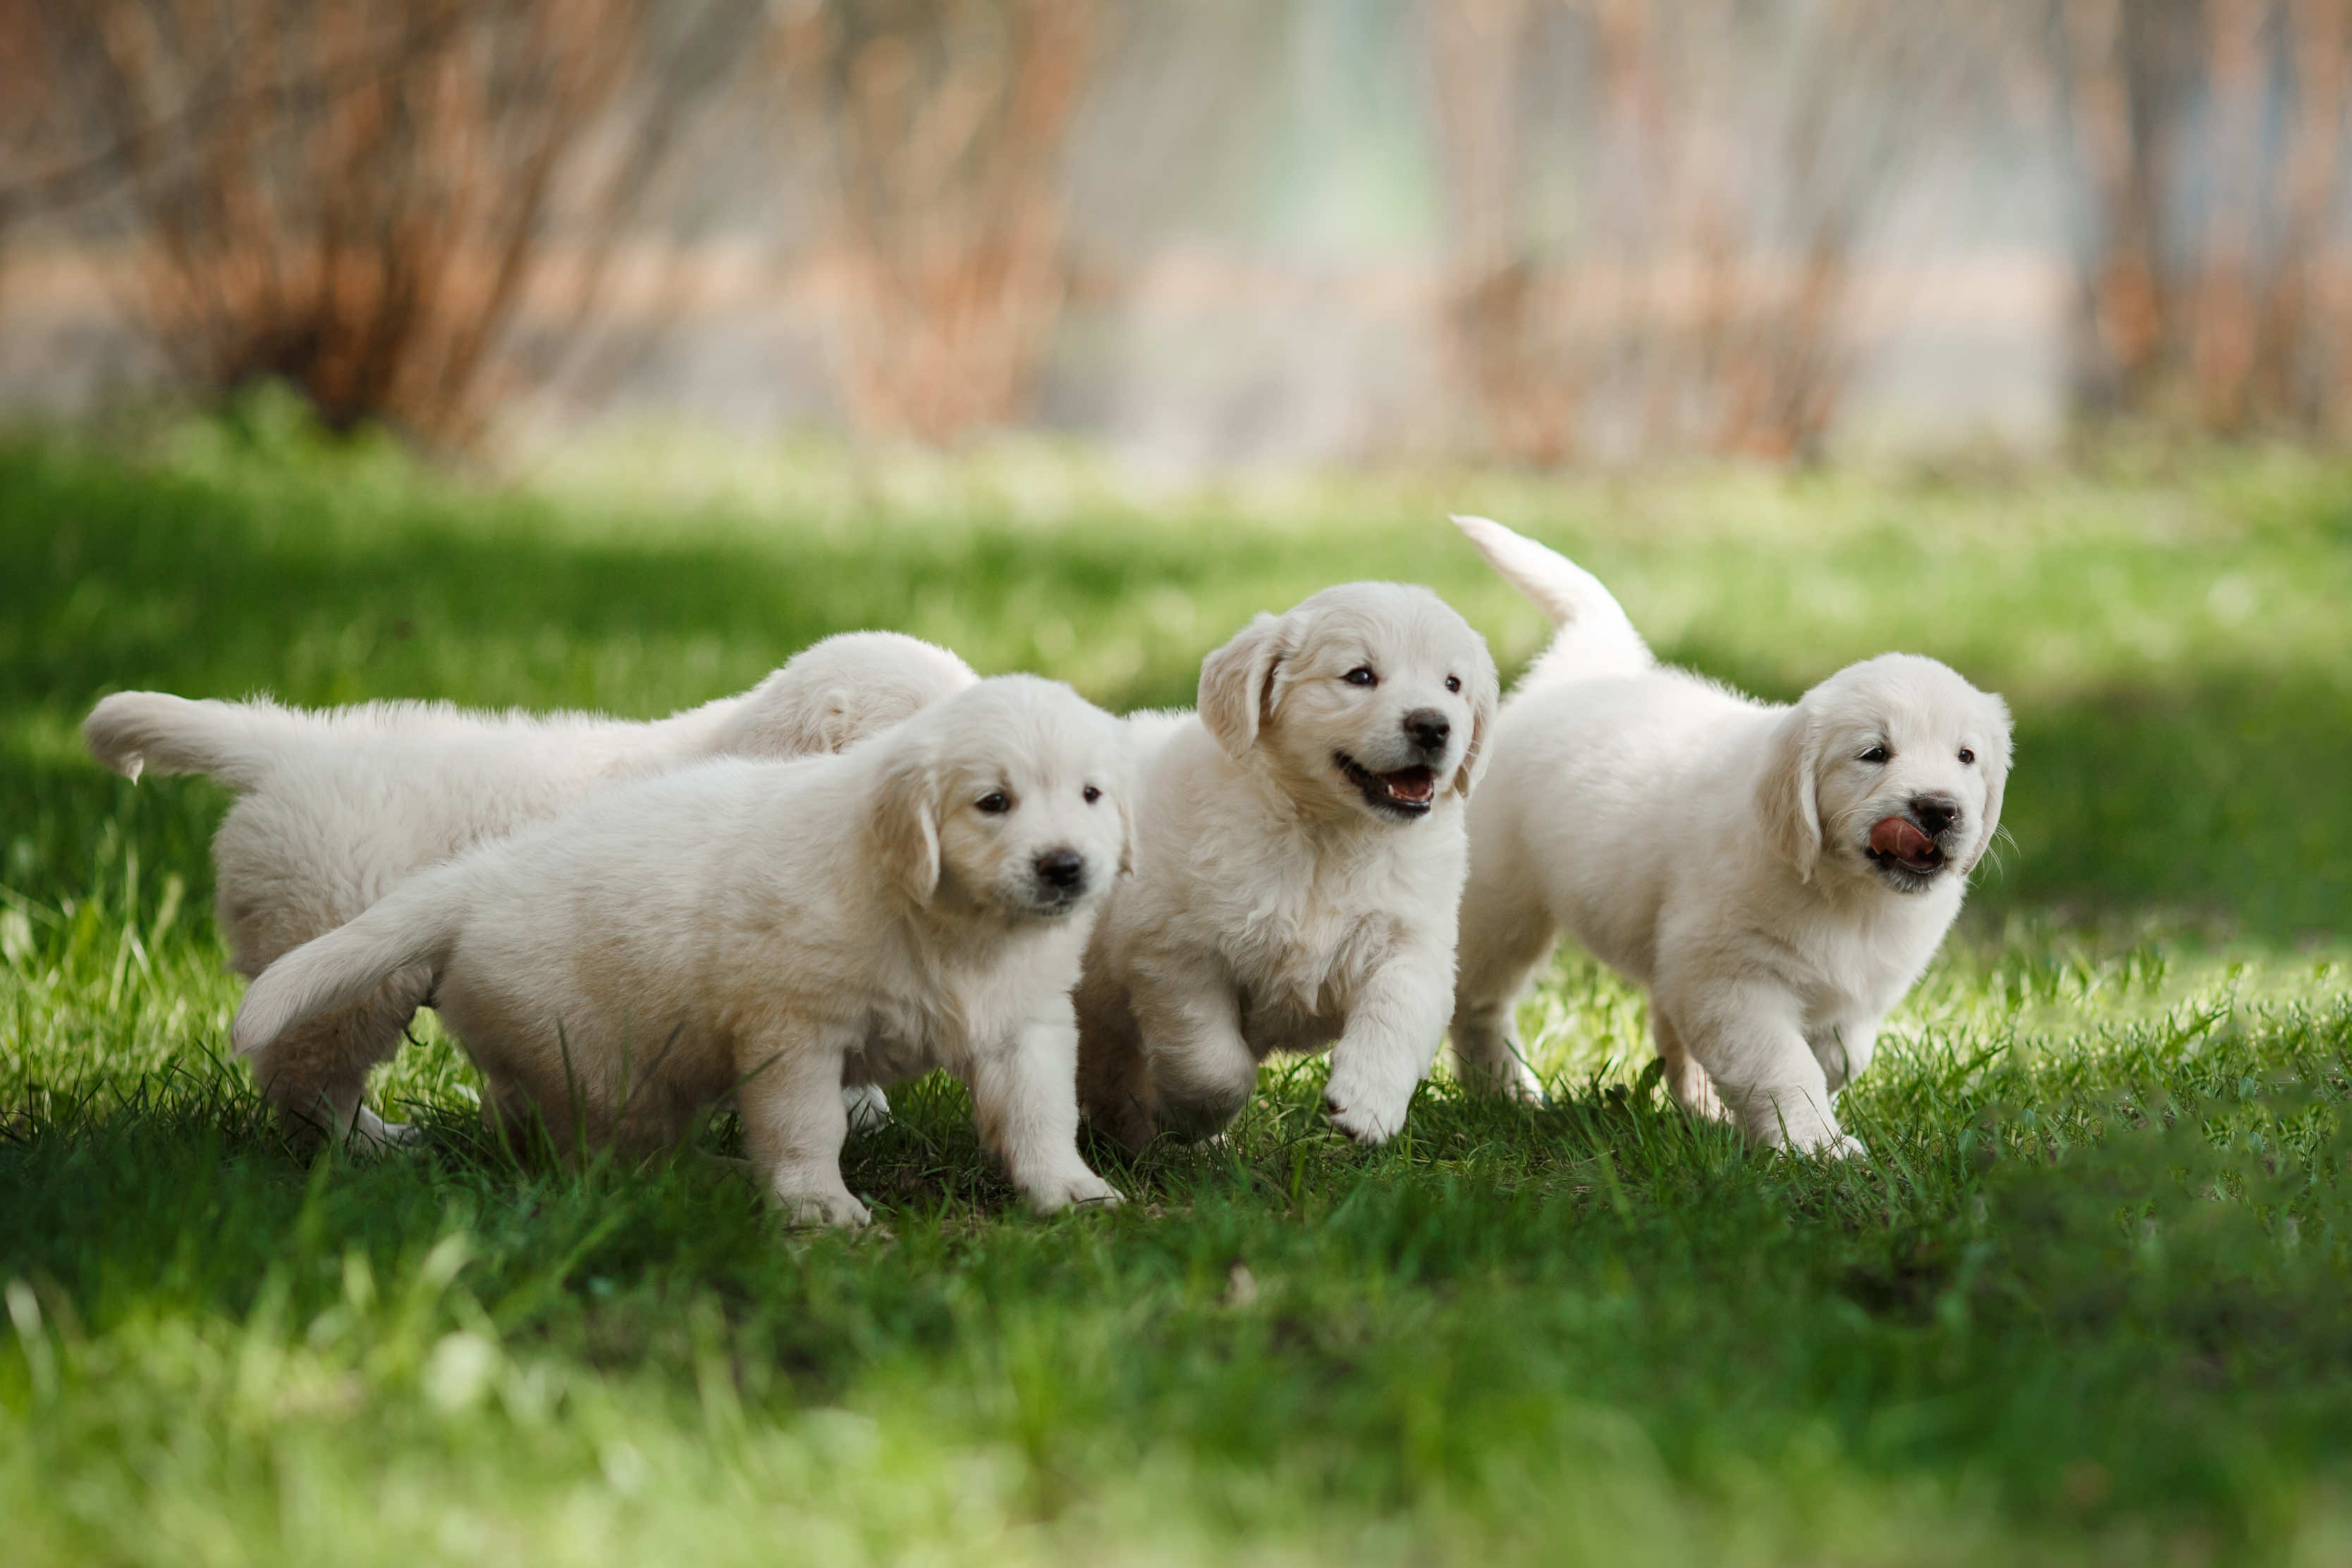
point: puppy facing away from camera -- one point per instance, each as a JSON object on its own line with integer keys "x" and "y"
{"x": 337, "y": 809}
{"x": 774, "y": 930}
{"x": 1776, "y": 877}
{"x": 1300, "y": 856}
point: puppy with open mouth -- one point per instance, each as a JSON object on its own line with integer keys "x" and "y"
{"x": 1299, "y": 855}
{"x": 1776, "y": 877}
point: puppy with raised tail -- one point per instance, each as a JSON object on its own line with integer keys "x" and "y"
{"x": 1776, "y": 877}
{"x": 335, "y": 810}
{"x": 1298, "y": 863}
{"x": 774, "y": 930}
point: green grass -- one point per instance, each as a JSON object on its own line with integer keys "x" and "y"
{"x": 2088, "y": 1301}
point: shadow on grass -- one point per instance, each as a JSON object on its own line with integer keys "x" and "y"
{"x": 2115, "y": 1302}
{"x": 2219, "y": 797}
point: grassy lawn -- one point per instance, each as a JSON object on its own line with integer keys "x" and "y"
{"x": 2087, "y": 1303}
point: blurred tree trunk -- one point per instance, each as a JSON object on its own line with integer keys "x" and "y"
{"x": 1703, "y": 295}
{"x": 23, "y": 108}
{"x": 2298, "y": 362}
{"x": 355, "y": 195}
{"x": 2208, "y": 135}
{"x": 946, "y": 121}
{"x": 1501, "y": 343}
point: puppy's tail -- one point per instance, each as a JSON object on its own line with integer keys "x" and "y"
{"x": 1594, "y": 638}
{"x": 416, "y": 925}
{"x": 235, "y": 743}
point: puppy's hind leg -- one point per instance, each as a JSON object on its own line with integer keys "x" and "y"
{"x": 316, "y": 1073}
{"x": 1503, "y": 939}
{"x": 1693, "y": 1090}
{"x": 1198, "y": 1069}
{"x": 1113, "y": 1086}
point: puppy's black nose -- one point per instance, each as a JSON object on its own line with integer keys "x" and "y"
{"x": 1065, "y": 870}
{"x": 1428, "y": 729}
{"x": 1934, "y": 813}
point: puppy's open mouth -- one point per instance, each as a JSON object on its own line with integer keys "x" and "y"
{"x": 1408, "y": 791}
{"x": 1897, "y": 843}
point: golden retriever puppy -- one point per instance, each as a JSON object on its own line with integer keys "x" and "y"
{"x": 772, "y": 930}
{"x": 337, "y": 809}
{"x": 1775, "y": 877}
{"x": 1299, "y": 857}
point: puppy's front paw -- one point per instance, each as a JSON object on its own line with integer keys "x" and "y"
{"x": 867, "y": 1107}
{"x": 841, "y": 1208}
{"x": 1076, "y": 1187}
{"x": 370, "y": 1131}
{"x": 1827, "y": 1143}
{"x": 1365, "y": 1122}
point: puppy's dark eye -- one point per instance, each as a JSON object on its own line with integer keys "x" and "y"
{"x": 1452, "y": 683}
{"x": 1090, "y": 794}
{"x": 994, "y": 802}
{"x": 1875, "y": 754}
{"x": 1966, "y": 756}
{"x": 1361, "y": 676}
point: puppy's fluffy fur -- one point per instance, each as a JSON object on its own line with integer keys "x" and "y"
{"x": 774, "y": 930}
{"x": 1776, "y": 877}
{"x": 1298, "y": 862}
{"x": 337, "y": 809}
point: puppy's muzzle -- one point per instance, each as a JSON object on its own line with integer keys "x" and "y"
{"x": 1408, "y": 791}
{"x": 1936, "y": 814}
{"x": 1919, "y": 844}
{"x": 1428, "y": 729}
{"x": 1061, "y": 877}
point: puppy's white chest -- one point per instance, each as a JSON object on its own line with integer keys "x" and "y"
{"x": 1861, "y": 972}
{"x": 942, "y": 1018}
{"x": 1298, "y": 988}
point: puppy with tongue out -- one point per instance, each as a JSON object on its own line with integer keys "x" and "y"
{"x": 1298, "y": 865}
{"x": 1775, "y": 877}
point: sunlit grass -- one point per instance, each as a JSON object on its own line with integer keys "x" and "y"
{"x": 2086, "y": 1302}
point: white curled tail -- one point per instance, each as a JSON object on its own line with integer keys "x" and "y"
{"x": 1594, "y": 638}
{"x": 416, "y": 925}
{"x": 235, "y": 743}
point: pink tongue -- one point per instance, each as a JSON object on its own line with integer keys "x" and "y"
{"x": 1894, "y": 836}
{"x": 1416, "y": 784}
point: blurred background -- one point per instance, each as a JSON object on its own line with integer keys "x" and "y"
{"x": 1200, "y": 232}
{"x": 601, "y": 353}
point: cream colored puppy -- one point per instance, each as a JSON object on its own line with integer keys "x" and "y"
{"x": 1299, "y": 858}
{"x": 1776, "y": 877}
{"x": 337, "y": 809}
{"x": 773, "y": 930}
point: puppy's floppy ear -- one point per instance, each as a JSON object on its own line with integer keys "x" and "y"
{"x": 1237, "y": 682}
{"x": 1486, "y": 692}
{"x": 1121, "y": 785}
{"x": 1996, "y": 766}
{"x": 1786, "y": 800}
{"x": 1125, "y": 828}
{"x": 904, "y": 826}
